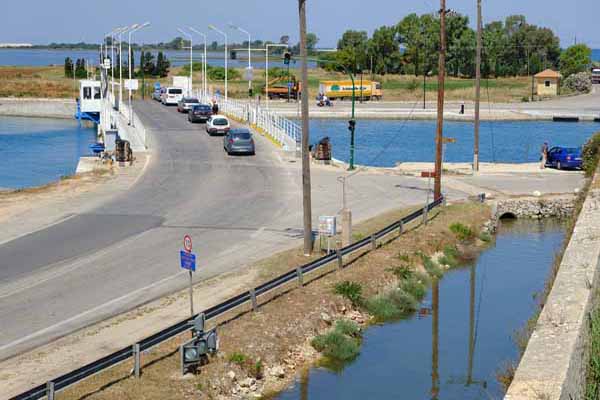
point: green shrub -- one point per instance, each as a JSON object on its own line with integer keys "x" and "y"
{"x": 432, "y": 268}
{"x": 404, "y": 257}
{"x": 591, "y": 154}
{"x": 392, "y": 305}
{"x": 402, "y": 272}
{"x": 485, "y": 237}
{"x": 254, "y": 368}
{"x": 351, "y": 291}
{"x": 414, "y": 286}
{"x": 340, "y": 345}
{"x": 237, "y": 358}
{"x": 450, "y": 257}
{"x": 462, "y": 232}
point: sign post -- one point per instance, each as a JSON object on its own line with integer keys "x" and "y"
{"x": 188, "y": 261}
{"x": 327, "y": 228}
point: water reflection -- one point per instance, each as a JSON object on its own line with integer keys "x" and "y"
{"x": 454, "y": 346}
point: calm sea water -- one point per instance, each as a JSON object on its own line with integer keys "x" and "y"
{"x": 385, "y": 143}
{"x": 412, "y": 359}
{"x": 36, "y": 151}
{"x": 36, "y": 57}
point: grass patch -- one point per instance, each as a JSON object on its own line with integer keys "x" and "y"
{"x": 253, "y": 367}
{"x": 340, "y": 345}
{"x": 450, "y": 257}
{"x": 462, "y": 232}
{"x": 593, "y": 373}
{"x": 351, "y": 291}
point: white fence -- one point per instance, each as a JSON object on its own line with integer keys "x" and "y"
{"x": 281, "y": 130}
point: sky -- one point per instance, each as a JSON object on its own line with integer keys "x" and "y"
{"x": 45, "y": 21}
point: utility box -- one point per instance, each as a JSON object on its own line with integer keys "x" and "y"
{"x": 322, "y": 150}
{"x": 110, "y": 138}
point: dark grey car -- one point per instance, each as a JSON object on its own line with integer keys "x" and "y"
{"x": 239, "y": 141}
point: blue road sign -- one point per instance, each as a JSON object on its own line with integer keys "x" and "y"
{"x": 157, "y": 85}
{"x": 291, "y": 85}
{"x": 188, "y": 260}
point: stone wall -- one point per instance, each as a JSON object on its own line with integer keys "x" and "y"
{"x": 554, "y": 364}
{"x": 536, "y": 207}
{"x": 43, "y": 108}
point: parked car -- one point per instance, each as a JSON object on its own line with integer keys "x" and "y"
{"x": 185, "y": 104}
{"x": 157, "y": 94}
{"x": 239, "y": 141}
{"x": 200, "y": 112}
{"x": 171, "y": 96}
{"x": 564, "y": 157}
{"x": 217, "y": 125}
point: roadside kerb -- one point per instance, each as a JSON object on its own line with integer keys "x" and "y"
{"x": 260, "y": 292}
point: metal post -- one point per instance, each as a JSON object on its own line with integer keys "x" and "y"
{"x": 440, "y": 103}
{"x": 50, "y": 390}
{"x": 300, "y": 276}
{"x": 401, "y": 228}
{"x": 253, "y": 298}
{"x": 136, "y": 360}
{"x": 353, "y": 127}
{"x": 306, "y": 187}
{"x": 191, "y": 294}
{"x": 477, "y": 88}
{"x": 373, "y": 242}
{"x": 340, "y": 260}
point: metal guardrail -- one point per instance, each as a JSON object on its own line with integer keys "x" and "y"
{"x": 124, "y": 354}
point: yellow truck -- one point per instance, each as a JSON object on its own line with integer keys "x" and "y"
{"x": 342, "y": 90}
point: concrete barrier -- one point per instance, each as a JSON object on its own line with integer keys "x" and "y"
{"x": 43, "y": 108}
{"x": 554, "y": 364}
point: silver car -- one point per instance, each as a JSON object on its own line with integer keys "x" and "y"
{"x": 239, "y": 141}
{"x": 186, "y": 104}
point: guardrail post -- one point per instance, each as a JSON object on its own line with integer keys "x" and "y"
{"x": 401, "y": 228}
{"x": 300, "y": 276}
{"x": 340, "y": 260}
{"x": 136, "y": 360}
{"x": 373, "y": 242}
{"x": 253, "y": 298}
{"x": 444, "y": 201}
{"x": 50, "y": 390}
{"x": 425, "y": 211}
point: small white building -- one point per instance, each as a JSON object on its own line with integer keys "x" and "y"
{"x": 90, "y": 96}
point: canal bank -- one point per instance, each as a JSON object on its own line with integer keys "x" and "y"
{"x": 38, "y": 108}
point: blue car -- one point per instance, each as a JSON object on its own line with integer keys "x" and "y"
{"x": 564, "y": 157}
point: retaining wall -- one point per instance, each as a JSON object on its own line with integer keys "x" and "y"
{"x": 556, "y": 358}
{"x": 43, "y": 108}
{"x": 536, "y": 207}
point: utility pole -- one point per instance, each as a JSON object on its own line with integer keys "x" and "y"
{"x": 477, "y": 88}
{"x": 306, "y": 195}
{"x": 437, "y": 187}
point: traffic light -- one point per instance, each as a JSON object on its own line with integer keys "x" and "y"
{"x": 351, "y": 125}
{"x": 287, "y": 57}
{"x": 196, "y": 351}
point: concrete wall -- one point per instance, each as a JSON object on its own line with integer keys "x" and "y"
{"x": 555, "y": 361}
{"x": 47, "y": 108}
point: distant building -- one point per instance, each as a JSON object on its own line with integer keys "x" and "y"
{"x": 547, "y": 83}
{"x": 14, "y": 45}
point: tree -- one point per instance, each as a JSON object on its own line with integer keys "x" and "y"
{"x": 384, "y": 51}
{"x": 577, "y": 58}
{"x": 311, "y": 41}
{"x": 147, "y": 66}
{"x": 68, "y": 67}
{"x": 352, "y": 50}
{"x": 162, "y": 65}
{"x": 80, "y": 70}
{"x": 285, "y": 39}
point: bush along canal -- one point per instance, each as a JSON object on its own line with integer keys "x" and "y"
{"x": 455, "y": 341}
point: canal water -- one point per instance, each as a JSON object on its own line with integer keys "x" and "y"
{"x": 383, "y": 143}
{"x": 37, "y": 151}
{"x": 464, "y": 335}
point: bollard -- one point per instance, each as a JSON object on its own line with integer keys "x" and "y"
{"x": 50, "y": 390}
{"x": 340, "y": 260}
{"x": 136, "y": 360}
{"x": 300, "y": 276}
{"x": 401, "y": 228}
{"x": 253, "y": 298}
{"x": 373, "y": 242}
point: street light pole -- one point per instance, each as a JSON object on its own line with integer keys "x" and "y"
{"x": 267, "y": 68}
{"x": 134, "y": 29}
{"x": 214, "y": 28}
{"x": 249, "y": 56}
{"x": 190, "y": 85}
{"x": 306, "y": 187}
{"x": 437, "y": 187}
{"x": 204, "y": 68}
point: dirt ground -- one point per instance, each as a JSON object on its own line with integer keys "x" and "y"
{"x": 263, "y": 352}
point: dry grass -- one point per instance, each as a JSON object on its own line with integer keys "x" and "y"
{"x": 280, "y": 332}
{"x": 44, "y": 82}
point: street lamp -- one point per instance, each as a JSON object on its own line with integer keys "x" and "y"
{"x": 134, "y": 28}
{"x": 214, "y": 28}
{"x": 190, "y": 86}
{"x": 204, "y": 66}
{"x": 267, "y": 68}
{"x": 249, "y": 57}
{"x": 120, "y": 32}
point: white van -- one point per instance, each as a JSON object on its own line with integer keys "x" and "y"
{"x": 171, "y": 96}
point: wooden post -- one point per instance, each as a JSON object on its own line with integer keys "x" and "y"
{"x": 437, "y": 189}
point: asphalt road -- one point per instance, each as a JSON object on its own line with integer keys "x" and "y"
{"x": 125, "y": 253}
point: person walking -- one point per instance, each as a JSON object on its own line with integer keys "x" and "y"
{"x": 544, "y": 155}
